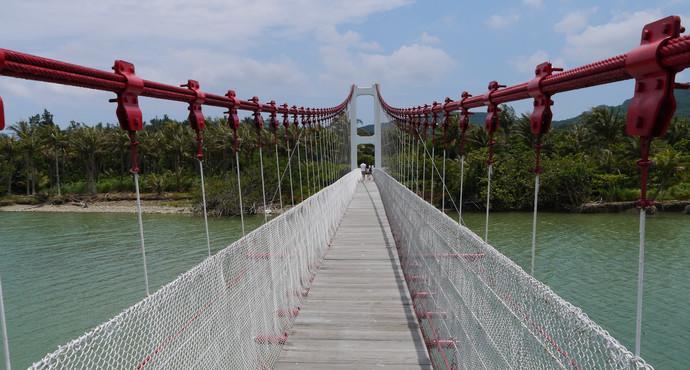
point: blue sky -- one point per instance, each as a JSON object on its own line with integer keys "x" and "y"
{"x": 307, "y": 52}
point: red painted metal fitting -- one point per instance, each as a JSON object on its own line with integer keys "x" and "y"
{"x": 2, "y": 106}
{"x": 434, "y": 121}
{"x": 274, "y": 120}
{"x": 423, "y": 110}
{"x": 128, "y": 111}
{"x": 446, "y": 121}
{"x": 233, "y": 118}
{"x": 491, "y": 122}
{"x": 196, "y": 116}
{"x": 464, "y": 119}
{"x": 2, "y": 114}
{"x": 652, "y": 107}
{"x": 653, "y": 104}
{"x": 540, "y": 119}
{"x": 286, "y": 121}
{"x": 258, "y": 119}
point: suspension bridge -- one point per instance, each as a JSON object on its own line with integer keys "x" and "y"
{"x": 364, "y": 274}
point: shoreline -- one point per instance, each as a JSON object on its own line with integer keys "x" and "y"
{"x": 120, "y": 206}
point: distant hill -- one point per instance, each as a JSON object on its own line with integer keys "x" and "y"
{"x": 682, "y": 110}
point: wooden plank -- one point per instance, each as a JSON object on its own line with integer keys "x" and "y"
{"x": 358, "y": 314}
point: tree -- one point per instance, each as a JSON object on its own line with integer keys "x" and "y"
{"x": 28, "y": 146}
{"x": 86, "y": 144}
{"x": 8, "y": 147}
{"x": 53, "y": 141}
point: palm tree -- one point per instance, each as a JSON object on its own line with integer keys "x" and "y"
{"x": 87, "y": 144}
{"x": 53, "y": 140}
{"x": 8, "y": 147}
{"x": 28, "y": 146}
{"x": 606, "y": 125}
{"x": 667, "y": 164}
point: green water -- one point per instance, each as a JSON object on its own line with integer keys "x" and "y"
{"x": 65, "y": 273}
{"x": 591, "y": 261}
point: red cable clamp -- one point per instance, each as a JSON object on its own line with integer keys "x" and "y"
{"x": 541, "y": 116}
{"x": 2, "y": 106}
{"x": 294, "y": 116}
{"x": 196, "y": 116}
{"x": 258, "y": 119}
{"x": 434, "y": 120}
{"x": 540, "y": 119}
{"x": 274, "y": 120}
{"x": 286, "y": 121}
{"x": 233, "y": 118}
{"x": 491, "y": 122}
{"x": 653, "y": 104}
{"x": 464, "y": 121}
{"x": 426, "y": 120}
{"x": 446, "y": 121}
{"x": 128, "y": 111}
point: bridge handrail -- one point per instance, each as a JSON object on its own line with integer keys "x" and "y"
{"x": 234, "y": 308}
{"x": 480, "y": 309}
{"x": 32, "y": 67}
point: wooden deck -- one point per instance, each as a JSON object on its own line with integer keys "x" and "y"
{"x": 358, "y": 314}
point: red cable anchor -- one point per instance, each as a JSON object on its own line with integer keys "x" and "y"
{"x": 2, "y": 107}
{"x": 491, "y": 122}
{"x": 540, "y": 119}
{"x": 233, "y": 118}
{"x": 258, "y": 119}
{"x": 446, "y": 121}
{"x": 128, "y": 111}
{"x": 426, "y": 120}
{"x": 196, "y": 116}
{"x": 464, "y": 119}
{"x": 286, "y": 121}
{"x": 274, "y": 121}
{"x": 653, "y": 104}
{"x": 434, "y": 120}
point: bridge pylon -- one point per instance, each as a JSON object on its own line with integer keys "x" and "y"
{"x": 355, "y": 139}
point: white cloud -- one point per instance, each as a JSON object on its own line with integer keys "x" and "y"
{"x": 502, "y": 21}
{"x": 224, "y": 43}
{"x": 619, "y": 35}
{"x": 574, "y": 21}
{"x": 409, "y": 65}
{"x": 426, "y": 38}
{"x": 526, "y": 64}
{"x": 533, "y": 3}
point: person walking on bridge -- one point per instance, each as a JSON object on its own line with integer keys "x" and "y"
{"x": 363, "y": 168}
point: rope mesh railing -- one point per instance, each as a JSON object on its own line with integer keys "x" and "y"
{"x": 231, "y": 311}
{"x": 477, "y": 308}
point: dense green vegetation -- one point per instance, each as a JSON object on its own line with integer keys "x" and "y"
{"x": 588, "y": 160}
{"x": 44, "y": 162}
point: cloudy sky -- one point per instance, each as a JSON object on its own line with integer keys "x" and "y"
{"x": 308, "y": 52}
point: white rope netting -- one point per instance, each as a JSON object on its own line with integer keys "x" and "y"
{"x": 477, "y": 308}
{"x": 231, "y": 311}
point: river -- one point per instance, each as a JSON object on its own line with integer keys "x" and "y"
{"x": 66, "y": 273}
